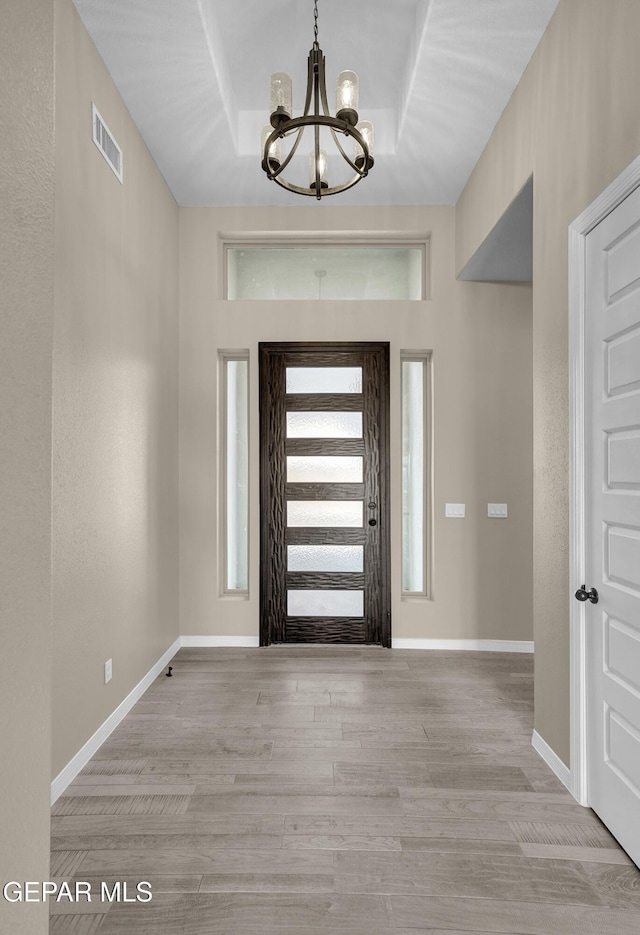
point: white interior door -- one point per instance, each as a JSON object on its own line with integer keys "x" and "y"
{"x": 612, "y": 396}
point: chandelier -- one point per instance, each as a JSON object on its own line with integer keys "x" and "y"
{"x": 324, "y": 128}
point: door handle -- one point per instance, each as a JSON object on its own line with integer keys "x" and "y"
{"x": 373, "y": 522}
{"x": 583, "y": 595}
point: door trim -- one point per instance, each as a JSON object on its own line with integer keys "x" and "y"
{"x": 292, "y": 347}
{"x": 603, "y": 205}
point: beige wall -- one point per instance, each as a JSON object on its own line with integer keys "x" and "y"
{"x": 481, "y": 341}
{"x": 115, "y": 533}
{"x": 574, "y": 121}
{"x": 113, "y": 490}
{"x": 26, "y": 318}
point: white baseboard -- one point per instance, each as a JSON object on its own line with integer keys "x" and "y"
{"x": 90, "y": 748}
{"x": 490, "y": 646}
{"x": 552, "y": 760}
{"x": 487, "y": 646}
{"x": 246, "y": 642}
{"x": 82, "y": 757}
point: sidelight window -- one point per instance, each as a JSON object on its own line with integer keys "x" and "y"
{"x": 234, "y": 368}
{"x": 416, "y": 453}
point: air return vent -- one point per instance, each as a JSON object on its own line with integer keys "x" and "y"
{"x": 105, "y": 142}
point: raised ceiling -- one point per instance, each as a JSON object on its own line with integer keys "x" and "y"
{"x": 435, "y": 75}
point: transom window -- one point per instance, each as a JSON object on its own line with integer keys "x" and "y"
{"x": 326, "y": 272}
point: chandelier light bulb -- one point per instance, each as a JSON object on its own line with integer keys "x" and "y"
{"x": 318, "y": 168}
{"x": 281, "y": 96}
{"x": 275, "y": 149}
{"x": 347, "y": 97}
{"x": 366, "y": 130}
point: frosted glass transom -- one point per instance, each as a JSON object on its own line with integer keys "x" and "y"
{"x": 324, "y": 513}
{"x": 324, "y": 380}
{"x": 308, "y": 469}
{"x": 324, "y": 425}
{"x": 312, "y": 603}
{"x": 323, "y": 272}
{"x": 347, "y": 558}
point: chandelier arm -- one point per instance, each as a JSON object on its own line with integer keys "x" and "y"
{"x": 367, "y": 158}
{"x": 317, "y": 84}
{"x": 323, "y": 91}
{"x": 310, "y": 75}
{"x": 344, "y": 155}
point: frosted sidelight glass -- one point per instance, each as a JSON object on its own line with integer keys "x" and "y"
{"x": 348, "y": 558}
{"x": 324, "y": 513}
{"x": 324, "y": 425}
{"x": 310, "y": 603}
{"x": 308, "y": 469}
{"x": 324, "y": 379}
{"x": 413, "y": 476}
{"x": 236, "y": 419}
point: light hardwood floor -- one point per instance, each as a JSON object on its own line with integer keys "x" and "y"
{"x": 336, "y": 791}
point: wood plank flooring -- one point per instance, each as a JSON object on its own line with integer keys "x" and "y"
{"x": 334, "y": 790}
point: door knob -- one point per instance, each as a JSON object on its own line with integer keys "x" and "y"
{"x": 583, "y": 595}
{"x": 373, "y": 522}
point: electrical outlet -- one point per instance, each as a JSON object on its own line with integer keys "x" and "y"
{"x": 108, "y": 670}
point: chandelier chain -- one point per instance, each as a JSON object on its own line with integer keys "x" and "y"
{"x": 315, "y": 24}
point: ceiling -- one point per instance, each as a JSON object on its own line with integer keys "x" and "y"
{"x": 435, "y": 75}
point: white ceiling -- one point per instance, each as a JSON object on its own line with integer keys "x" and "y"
{"x": 435, "y": 75}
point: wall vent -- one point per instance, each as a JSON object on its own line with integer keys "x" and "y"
{"x": 103, "y": 138}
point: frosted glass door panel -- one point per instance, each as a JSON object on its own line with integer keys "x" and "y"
{"x": 348, "y": 558}
{"x": 312, "y": 603}
{"x": 324, "y": 513}
{"x": 324, "y": 379}
{"x": 324, "y": 425}
{"x": 308, "y": 469}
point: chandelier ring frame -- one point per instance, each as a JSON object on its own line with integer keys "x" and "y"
{"x": 286, "y": 128}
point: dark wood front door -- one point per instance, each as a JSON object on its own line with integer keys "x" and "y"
{"x": 324, "y": 464}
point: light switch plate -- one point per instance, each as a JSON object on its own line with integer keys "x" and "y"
{"x": 108, "y": 671}
{"x": 497, "y": 510}
{"x": 454, "y": 510}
